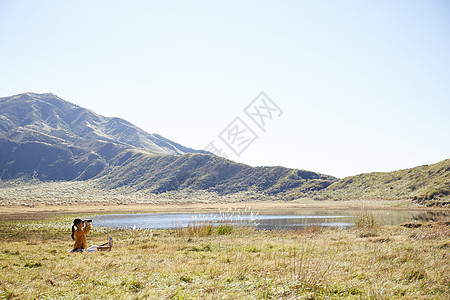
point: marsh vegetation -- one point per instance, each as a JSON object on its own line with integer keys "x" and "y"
{"x": 202, "y": 262}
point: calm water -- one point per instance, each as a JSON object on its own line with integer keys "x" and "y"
{"x": 275, "y": 219}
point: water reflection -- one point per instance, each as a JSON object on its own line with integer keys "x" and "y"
{"x": 274, "y": 219}
{"x": 383, "y": 217}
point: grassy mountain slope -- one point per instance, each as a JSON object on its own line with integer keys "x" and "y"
{"x": 47, "y": 162}
{"x": 420, "y": 183}
{"x": 24, "y": 115}
{"x": 45, "y": 137}
{"x": 163, "y": 173}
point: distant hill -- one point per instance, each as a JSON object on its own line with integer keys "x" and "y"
{"x": 163, "y": 173}
{"x": 47, "y": 138}
{"x": 422, "y": 183}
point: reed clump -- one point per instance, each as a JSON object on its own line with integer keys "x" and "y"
{"x": 197, "y": 229}
{"x": 222, "y": 223}
{"x": 366, "y": 224}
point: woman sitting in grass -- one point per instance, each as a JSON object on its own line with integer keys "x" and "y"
{"x": 79, "y": 230}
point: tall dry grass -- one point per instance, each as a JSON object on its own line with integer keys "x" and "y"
{"x": 398, "y": 262}
{"x": 222, "y": 223}
{"x": 366, "y": 224}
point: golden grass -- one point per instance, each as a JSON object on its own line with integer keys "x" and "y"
{"x": 17, "y": 197}
{"x": 312, "y": 263}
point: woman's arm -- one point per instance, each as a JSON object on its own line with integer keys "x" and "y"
{"x": 87, "y": 228}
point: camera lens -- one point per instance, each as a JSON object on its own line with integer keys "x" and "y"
{"x": 89, "y": 221}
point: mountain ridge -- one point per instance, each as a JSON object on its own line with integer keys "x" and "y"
{"x": 32, "y": 123}
{"x": 47, "y": 138}
{"x": 50, "y": 114}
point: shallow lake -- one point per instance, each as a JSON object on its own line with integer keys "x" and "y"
{"x": 274, "y": 219}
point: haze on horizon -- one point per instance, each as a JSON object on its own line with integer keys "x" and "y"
{"x": 363, "y": 86}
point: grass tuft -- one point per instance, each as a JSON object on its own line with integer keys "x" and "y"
{"x": 366, "y": 224}
{"x": 224, "y": 229}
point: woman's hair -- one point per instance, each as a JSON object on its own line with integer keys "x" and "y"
{"x": 75, "y": 222}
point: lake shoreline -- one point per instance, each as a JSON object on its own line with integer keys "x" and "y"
{"x": 22, "y": 212}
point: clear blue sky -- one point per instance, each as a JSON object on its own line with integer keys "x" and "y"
{"x": 363, "y": 85}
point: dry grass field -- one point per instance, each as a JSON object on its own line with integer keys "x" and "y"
{"x": 204, "y": 262}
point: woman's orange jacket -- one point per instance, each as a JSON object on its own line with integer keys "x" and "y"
{"x": 80, "y": 237}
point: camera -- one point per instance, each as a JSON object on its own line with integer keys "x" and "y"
{"x": 89, "y": 221}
